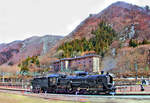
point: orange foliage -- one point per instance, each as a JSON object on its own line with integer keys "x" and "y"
{"x": 88, "y": 52}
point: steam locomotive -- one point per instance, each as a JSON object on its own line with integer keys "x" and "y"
{"x": 81, "y": 83}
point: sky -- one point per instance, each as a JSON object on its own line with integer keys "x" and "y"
{"x": 21, "y": 19}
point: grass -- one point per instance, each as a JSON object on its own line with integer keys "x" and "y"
{"x": 14, "y": 98}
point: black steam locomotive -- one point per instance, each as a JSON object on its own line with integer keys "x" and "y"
{"x": 81, "y": 84}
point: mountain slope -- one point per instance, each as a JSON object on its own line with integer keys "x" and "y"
{"x": 16, "y": 51}
{"x": 119, "y": 15}
{"x": 129, "y": 21}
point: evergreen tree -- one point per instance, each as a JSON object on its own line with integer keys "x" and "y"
{"x": 145, "y": 41}
{"x": 133, "y": 43}
{"x": 25, "y": 65}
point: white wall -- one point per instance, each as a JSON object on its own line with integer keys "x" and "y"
{"x": 96, "y": 62}
{"x": 66, "y": 64}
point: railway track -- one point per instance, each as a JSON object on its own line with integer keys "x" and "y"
{"x": 14, "y": 89}
{"x": 118, "y": 93}
{"x": 78, "y": 98}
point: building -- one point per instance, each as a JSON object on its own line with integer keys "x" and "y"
{"x": 88, "y": 63}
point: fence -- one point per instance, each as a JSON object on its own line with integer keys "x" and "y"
{"x": 23, "y": 85}
{"x": 132, "y": 88}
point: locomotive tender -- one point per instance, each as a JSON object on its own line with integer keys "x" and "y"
{"x": 81, "y": 84}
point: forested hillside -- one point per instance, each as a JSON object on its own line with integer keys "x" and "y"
{"x": 100, "y": 42}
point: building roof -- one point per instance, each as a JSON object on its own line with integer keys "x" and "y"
{"x": 79, "y": 57}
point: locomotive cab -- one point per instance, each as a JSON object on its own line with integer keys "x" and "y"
{"x": 54, "y": 81}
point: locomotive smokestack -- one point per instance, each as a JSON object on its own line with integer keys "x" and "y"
{"x": 102, "y": 72}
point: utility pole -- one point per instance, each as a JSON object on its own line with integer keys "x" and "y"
{"x": 136, "y": 69}
{"x": 148, "y": 61}
{"x": 2, "y": 74}
{"x": 3, "y": 79}
{"x": 22, "y": 83}
{"x": 148, "y": 58}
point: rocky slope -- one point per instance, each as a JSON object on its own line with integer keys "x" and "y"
{"x": 16, "y": 51}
